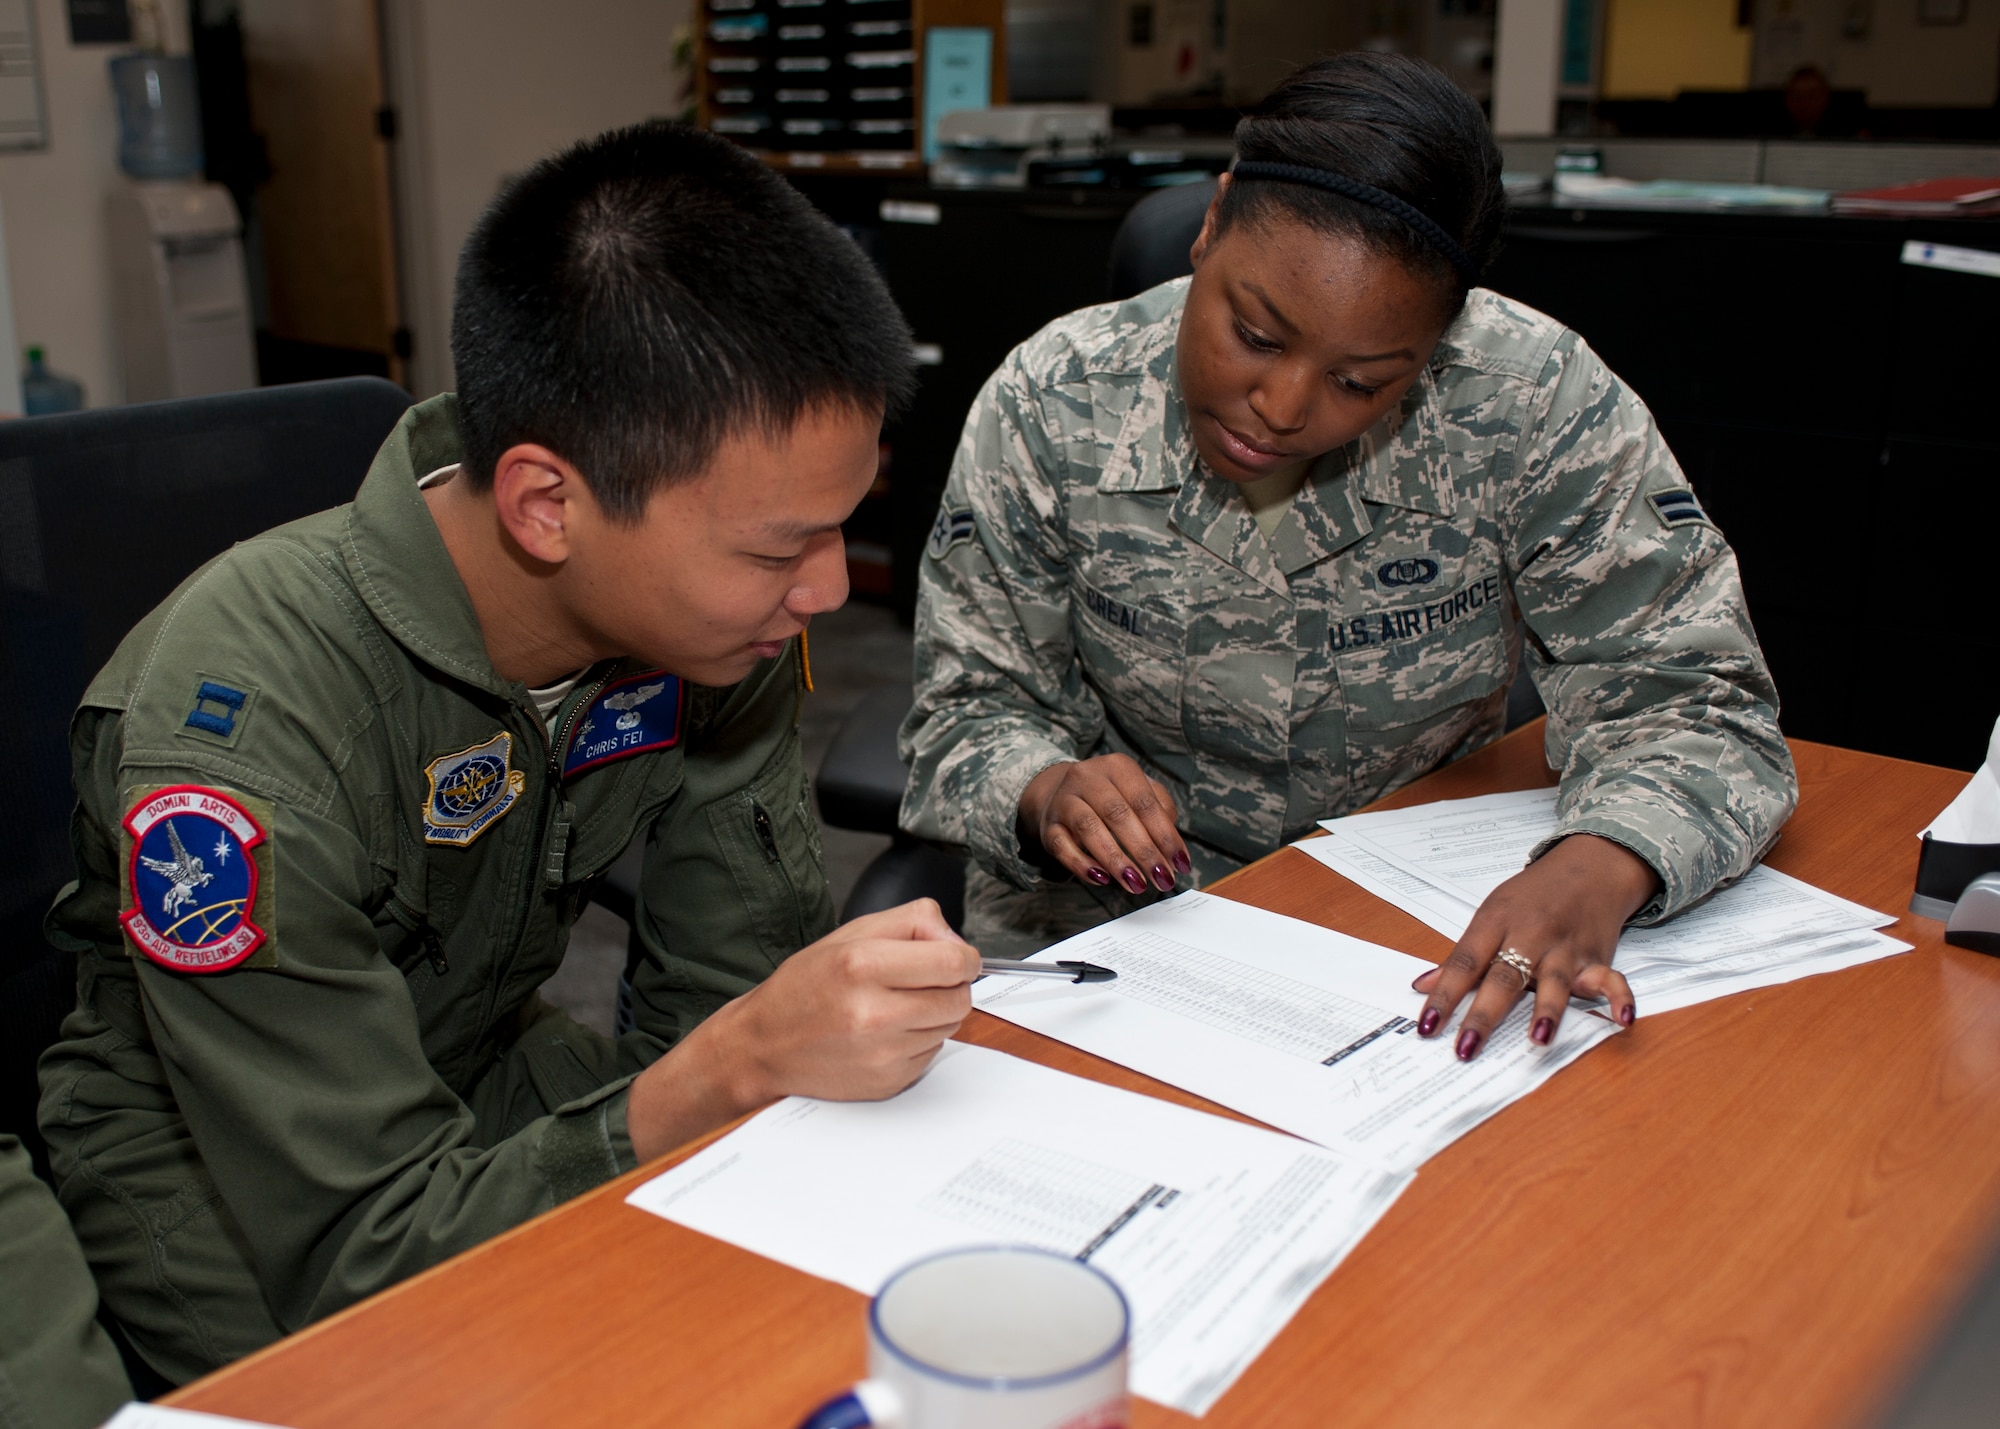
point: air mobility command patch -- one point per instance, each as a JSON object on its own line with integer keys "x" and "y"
{"x": 632, "y": 715}
{"x": 193, "y": 880}
{"x": 470, "y": 790}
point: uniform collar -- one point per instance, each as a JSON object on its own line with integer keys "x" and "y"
{"x": 1401, "y": 461}
{"x": 1404, "y": 460}
{"x": 398, "y": 560}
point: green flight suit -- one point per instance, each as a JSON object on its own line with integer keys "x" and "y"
{"x": 58, "y": 1369}
{"x": 375, "y": 1085}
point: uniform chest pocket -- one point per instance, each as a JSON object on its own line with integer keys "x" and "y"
{"x": 1409, "y": 662}
{"x": 1421, "y": 683}
{"x": 1135, "y": 657}
{"x": 768, "y": 836}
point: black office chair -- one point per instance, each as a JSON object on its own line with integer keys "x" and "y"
{"x": 860, "y": 787}
{"x": 1152, "y": 243}
{"x": 102, "y": 514}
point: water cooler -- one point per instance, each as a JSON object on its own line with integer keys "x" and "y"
{"x": 183, "y": 302}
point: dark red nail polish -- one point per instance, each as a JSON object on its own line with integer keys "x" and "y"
{"x": 1626, "y": 1014}
{"x": 1468, "y": 1044}
{"x": 1428, "y": 1023}
{"x": 1097, "y": 875}
{"x": 1181, "y": 862}
{"x": 1133, "y": 881}
{"x": 1544, "y": 1028}
{"x": 1418, "y": 985}
{"x": 1162, "y": 880}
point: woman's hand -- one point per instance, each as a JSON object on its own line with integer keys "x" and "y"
{"x": 1562, "y": 913}
{"x": 1104, "y": 821}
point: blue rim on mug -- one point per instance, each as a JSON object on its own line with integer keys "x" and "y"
{"x": 1040, "y": 1381}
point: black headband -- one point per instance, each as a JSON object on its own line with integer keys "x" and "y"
{"x": 1424, "y": 224}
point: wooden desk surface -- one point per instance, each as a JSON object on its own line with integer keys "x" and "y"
{"x": 1751, "y": 1212}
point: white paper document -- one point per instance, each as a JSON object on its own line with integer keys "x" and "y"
{"x": 1217, "y": 1232}
{"x": 1439, "y": 861}
{"x": 1974, "y": 816}
{"x": 158, "y": 1416}
{"x": 1299, "y": 1026}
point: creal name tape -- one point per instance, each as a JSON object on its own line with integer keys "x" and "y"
{"x": 1958, "y": 260}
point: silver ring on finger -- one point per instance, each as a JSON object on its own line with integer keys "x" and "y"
{"x": 1519, "y": 964}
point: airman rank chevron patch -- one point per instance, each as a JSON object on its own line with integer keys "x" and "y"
{"x": 1678, "y": 508}
{"x": 952, "y": 528}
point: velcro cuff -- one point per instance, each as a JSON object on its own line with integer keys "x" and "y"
{"x": 587, "y": 1142}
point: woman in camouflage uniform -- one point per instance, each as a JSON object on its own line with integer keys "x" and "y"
{"x": 1252, "y": 549}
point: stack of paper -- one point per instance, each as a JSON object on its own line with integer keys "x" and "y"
{"x": 1297, "y": 1025}
{"x": 1438, "y": 862}
{"x": 1598, "y": 189}
{"x": 1217, "y": 1232}
{"x": 1958, "y": 197}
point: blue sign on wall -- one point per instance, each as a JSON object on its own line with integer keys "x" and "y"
{"x": 958, "y": 74}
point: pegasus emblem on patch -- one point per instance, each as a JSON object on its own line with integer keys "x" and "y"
{"x": 469, "y": 790}
{"x": 642, "y": 712}
{"x": 191, "y": 911}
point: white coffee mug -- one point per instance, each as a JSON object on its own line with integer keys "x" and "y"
{"x": 991, "y": 1337}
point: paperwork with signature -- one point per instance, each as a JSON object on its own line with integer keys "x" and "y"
{"x": 1299, "y": 1026}
{"x": 1217, "y": 1232}
{"x": 1439, "y": 861}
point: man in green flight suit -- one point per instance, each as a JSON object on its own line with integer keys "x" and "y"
{"x": 58, "y": 1369}
{"x": 342, "y": 795}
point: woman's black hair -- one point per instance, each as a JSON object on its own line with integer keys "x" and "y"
{"x": 1392, "y": 123}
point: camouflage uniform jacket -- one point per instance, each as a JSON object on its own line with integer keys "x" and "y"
{"x": 1090, "y": 588}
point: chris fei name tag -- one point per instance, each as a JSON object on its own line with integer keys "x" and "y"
{"x": 633, "y": 715}
{"x": 199, "y": 885}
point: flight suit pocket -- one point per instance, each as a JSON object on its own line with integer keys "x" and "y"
{"x": 1416, "y": 679}
{"x": 771, "y": 843}
{"x": 1135, "y": 656}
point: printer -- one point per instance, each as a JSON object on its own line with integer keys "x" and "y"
{"x": 991, "y": 148}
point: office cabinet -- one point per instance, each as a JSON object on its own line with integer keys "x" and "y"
{"x": 1832, "y": 407}
{"x": 976, "y": 273}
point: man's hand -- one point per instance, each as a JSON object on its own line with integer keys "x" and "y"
{"x": 1563, "y": 914}
{"x": 856, "y": 1016}
{"x": 1103, "y": 819}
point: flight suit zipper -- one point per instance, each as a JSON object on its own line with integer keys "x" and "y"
{"x": 766, "y": 835}
{"x": 434, "y": 950}
{"x": 555, "y": 859}
{"x": 553, "y": 856}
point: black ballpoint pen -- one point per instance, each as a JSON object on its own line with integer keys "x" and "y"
{"x": 1069, "y": 972}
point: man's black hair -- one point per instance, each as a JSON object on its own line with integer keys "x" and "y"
{"x": 633, "y": 300}
{"x": 1396, "y": 124}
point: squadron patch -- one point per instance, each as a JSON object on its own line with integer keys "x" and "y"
{"x": 192, "y": 880}
{"x": 1678, "y": 508}
{"x": 632, "y": 715}
{"x": 952, "y": 528}
{"x": 469, "y": 790}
